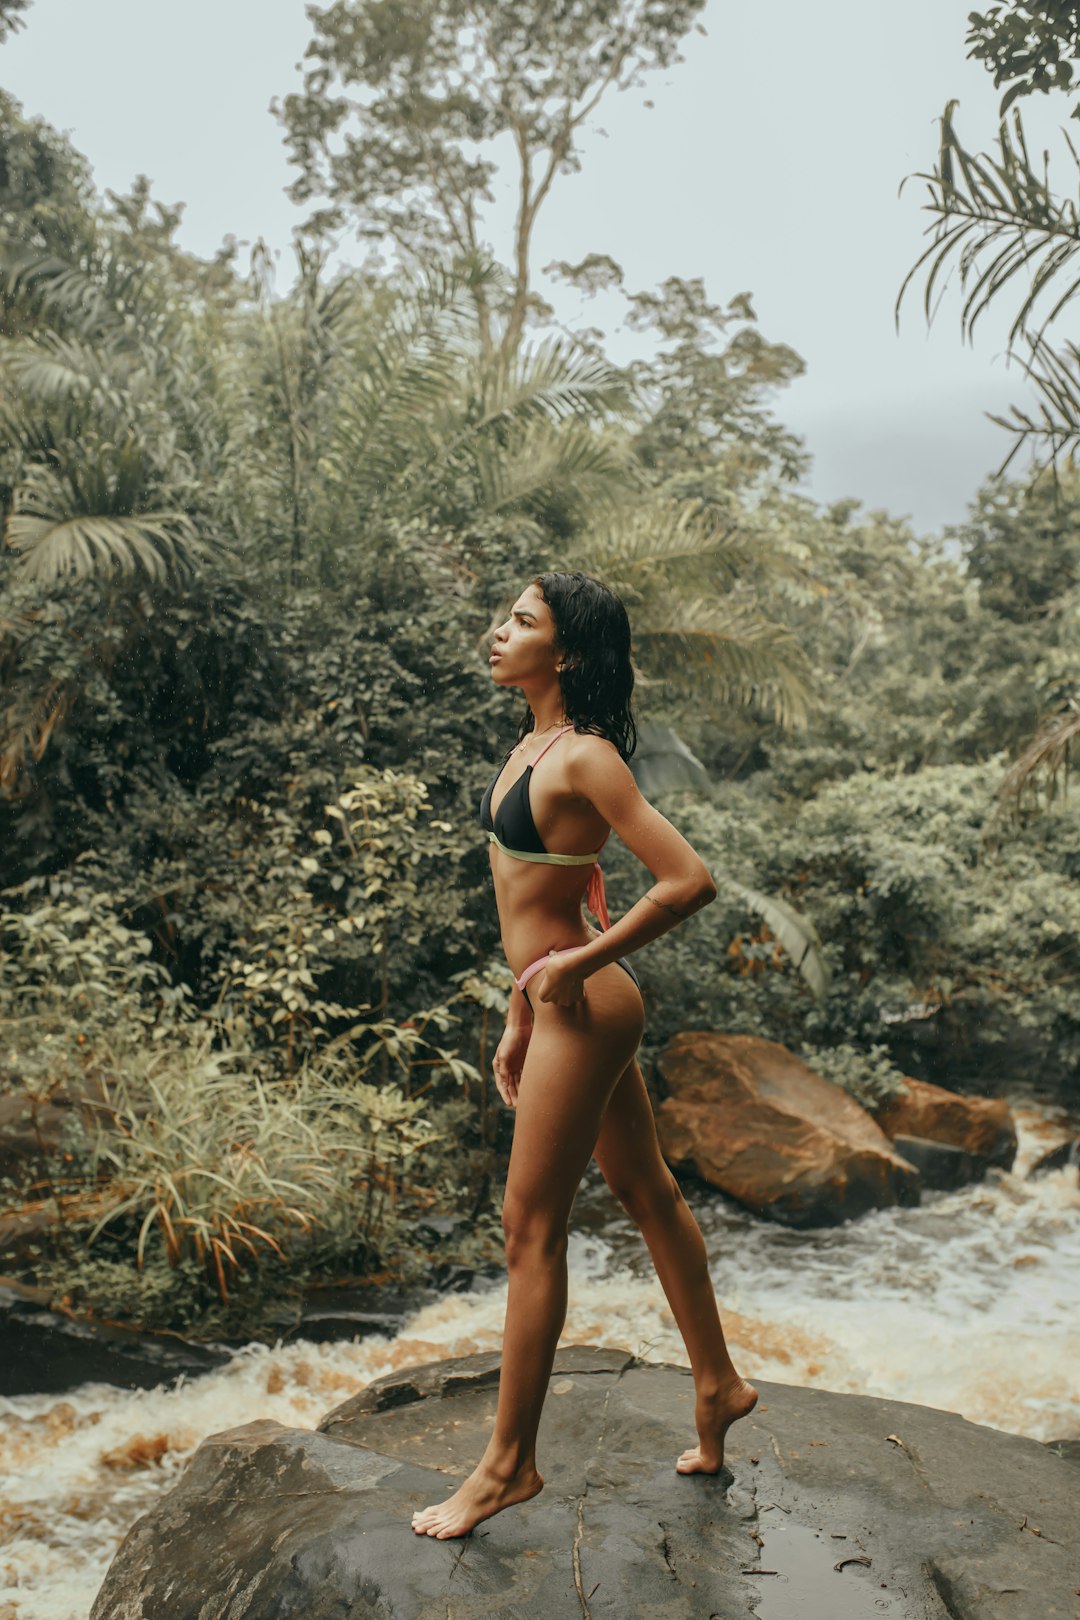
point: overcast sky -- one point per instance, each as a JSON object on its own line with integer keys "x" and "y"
{"x": 769, "y": 164}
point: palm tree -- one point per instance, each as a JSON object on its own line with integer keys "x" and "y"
{"x": 427, "y": 430}
{"x": 698, "y": 624}
{"x": 997, "y": 217}
{"x": 98, "y": 476}
{"x": 100, "y": 482}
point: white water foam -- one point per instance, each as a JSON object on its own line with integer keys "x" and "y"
{"x": 965, "y": 1303}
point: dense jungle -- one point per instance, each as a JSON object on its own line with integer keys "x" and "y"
{"x": 259, "y": 519}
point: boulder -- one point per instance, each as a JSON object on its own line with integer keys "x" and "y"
{"x": 842, "y": 1506}
{"x": 1063, "y": 1157}
{"x": 46, "y": 1351}
{"x": 942, "y": 1167}
{"x": 980, "y": 1126}
{"x": 749, "y": 1117}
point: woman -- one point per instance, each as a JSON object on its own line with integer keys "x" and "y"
{"x": 566, "y": 1061}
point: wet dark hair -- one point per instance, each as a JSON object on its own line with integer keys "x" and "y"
{"x": 592, "y": 632}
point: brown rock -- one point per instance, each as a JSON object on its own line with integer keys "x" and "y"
{"x": 750, "y": 1118}
{"x": 982, "y": 1126}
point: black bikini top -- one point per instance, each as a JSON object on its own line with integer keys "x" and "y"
{"x": 513, "y": 829}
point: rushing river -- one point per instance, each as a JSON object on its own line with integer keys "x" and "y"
{"x": 966, "y": 1303}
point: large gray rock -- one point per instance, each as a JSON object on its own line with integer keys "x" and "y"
{"x": 45, "y": 1351}
{"x": 859, "y": 1507}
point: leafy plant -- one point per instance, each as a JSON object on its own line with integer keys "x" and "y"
{"x": 210, "y": 1161}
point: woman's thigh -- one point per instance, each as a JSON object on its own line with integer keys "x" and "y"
{"x": 627, "y": 1149}
{"x": 575, "y": 1058}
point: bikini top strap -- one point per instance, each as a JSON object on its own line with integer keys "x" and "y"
{"x": 554, "y": 740}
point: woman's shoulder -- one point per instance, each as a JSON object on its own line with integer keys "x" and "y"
{"x": 584, "y": 743}
{"x": 589, "y": 752}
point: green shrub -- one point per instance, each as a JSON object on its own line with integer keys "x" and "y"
{"x": 870, "y": 1077}
{"x": 208, "y": 1184}
{"x": 956, "y": 954}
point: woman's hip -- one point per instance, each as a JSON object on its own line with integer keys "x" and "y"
{"x": 541, "y": 962}
{"x": 612, "y": 1003}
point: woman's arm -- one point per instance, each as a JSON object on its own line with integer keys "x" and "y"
{"x": 683, "y": 884}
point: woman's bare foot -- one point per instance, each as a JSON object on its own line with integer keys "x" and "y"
{"x": 714, "y": 1415}
{"x": 482, "y": 1494}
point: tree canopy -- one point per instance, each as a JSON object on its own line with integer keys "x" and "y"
{"x": 1029, "y": 45}
{"x": 405, "y": 107}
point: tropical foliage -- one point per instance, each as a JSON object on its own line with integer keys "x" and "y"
{"x": 254, "y": 537}
{"x": 1013, "y": 237}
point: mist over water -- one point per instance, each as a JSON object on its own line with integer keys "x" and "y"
{"x": 965, "y": 1303}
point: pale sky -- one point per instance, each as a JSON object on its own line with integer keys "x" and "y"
{"x": 769, "y": 164}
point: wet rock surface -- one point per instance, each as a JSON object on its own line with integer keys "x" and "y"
{"x": 749, "y": 1117}
{"x": 982, "y": 1127}
{"x": 44, "y": 1351}
{"x": 1064, "y": 1157}
{"x": 847, "y": 1507}
{"x": 942, "y": 1167}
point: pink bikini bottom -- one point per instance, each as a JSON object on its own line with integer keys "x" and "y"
{"x": 542, "y": 962}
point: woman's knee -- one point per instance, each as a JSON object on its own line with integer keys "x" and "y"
{"x": 649, "y": 1199}
{"x": 532, "y": 1235}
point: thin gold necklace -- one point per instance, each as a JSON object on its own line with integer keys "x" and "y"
{"x": 564, "y": 723}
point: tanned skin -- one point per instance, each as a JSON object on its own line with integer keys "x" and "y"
{"x": 569, "y": 1069}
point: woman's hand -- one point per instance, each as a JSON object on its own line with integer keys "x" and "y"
{"x": 561, "y": 984}
{"x": 508, "y": 1061}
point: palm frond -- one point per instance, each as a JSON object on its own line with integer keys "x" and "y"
{"x": 89, "y": 522}
{"x": 795, "y": 932}
{"x": 728, "y": 646}
{"x": 652, "y": 536}
{"x": 51, "y": 544}
{"x": 91, "y": 302}
{"x": 425, "y": 421}
{"x": 552, "y": 381}
{"x": 544, "y": 458}
{"x": 405, "y": 385}
{"x": 998, "y": 219}
{"x": 1046, "y": 758}
{"x": 52, "y": 372}
{"x": 1055, "y": 374}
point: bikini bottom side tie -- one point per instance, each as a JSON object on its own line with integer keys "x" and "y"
{"x": 542, "y": 961}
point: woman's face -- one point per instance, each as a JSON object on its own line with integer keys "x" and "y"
{"x": 523, "y": 651}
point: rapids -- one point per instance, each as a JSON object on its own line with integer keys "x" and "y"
{"x": 965, "y": 1303}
